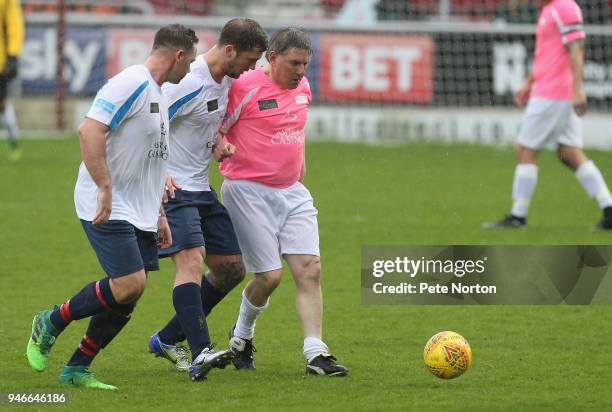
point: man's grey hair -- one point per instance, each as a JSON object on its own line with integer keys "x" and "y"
{"x": 288, "y": 38}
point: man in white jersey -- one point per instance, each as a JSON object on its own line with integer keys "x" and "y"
{"x": 555, "y": 104}
{"x": 272, "y": 210}
{"x": 124, "y": 143}
{"x": 201, "y": 227}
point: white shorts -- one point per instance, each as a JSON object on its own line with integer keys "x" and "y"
{"x": 271, "y": 222}
{"x": 547, "y": 123}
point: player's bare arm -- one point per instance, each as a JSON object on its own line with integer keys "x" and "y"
{"x": 522, "y": 95}
{"x": 576, "y": 52}
{"x": 92, "y": 137}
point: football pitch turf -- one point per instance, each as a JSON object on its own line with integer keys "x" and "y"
{"x": 525, "y": 357}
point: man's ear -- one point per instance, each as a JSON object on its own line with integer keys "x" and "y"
{"x": 272, "y": 56}
{"x": 230, "y": 51}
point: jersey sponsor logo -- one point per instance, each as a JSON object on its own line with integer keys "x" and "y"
{"x": 154, "y": 107}
{"x": 158, "y": 151}
{"x": 104, "y": 105}
{"x": 212, "y": 105}
{"x": 267, "y": 104}
{"x": 160, "y": 148}
{"x": 291, "y": 133}
{"x": 301, "y": 99}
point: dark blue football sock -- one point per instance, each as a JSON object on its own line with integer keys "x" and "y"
{"x": 103, "y": 327}
{"x": 188, "y": 305}
{"x": 210, "y": 296}
{"x": 93, "y": 298}
{"x": 172, "y": 333}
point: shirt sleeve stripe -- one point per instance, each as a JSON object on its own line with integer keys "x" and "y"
{"x": 571, "y": 28}
{"x": 233, "y": 118}
{"x": 181, "y": 102}
{"x": 125, "y": 108}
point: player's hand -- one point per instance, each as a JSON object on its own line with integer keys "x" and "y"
{"x": 105, "y": 206}
{"x": 12, "y": 67}
{"x": 164, "y": 235}
{"x": 579, "y": 102}
{"x": 521, "y": 97}
{"x": 171, "y": 186}
{"x": 223, "y": 149}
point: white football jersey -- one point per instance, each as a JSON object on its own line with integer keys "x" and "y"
{"x": 196, "y": 107}
{"x": 133, "y": 106}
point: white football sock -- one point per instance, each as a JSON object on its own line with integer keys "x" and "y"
{"x": 525, "y": 179}
{"x": 245, "y": 325}
{"x": 593, "y": 182}
{"x": 314, "y": 347}
{"x": 10, "y": 121}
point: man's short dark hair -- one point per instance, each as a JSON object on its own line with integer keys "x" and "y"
{"x": 288, "y": 38}
{"x": 175, "y": 36}
{"x": 244, "y": 34}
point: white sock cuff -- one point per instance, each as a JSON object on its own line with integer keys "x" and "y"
{"x": 586, "y": 169}
{"x": 314, "y": 347}
{"x": 252, "y": 307}
{"x": 526, "y": 170}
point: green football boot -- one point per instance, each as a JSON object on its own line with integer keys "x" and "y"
{"x": 81, "y": 376}
{"x": 41, "y": 341}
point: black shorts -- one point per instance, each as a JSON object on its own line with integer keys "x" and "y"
{"x": 122, "y": 248}
{"x": 199, "y": 219}
{"x": 4, "y": 81}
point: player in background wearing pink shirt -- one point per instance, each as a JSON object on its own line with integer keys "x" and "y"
{"x": 272, "y": 211}
{"x": 556, "y": 103}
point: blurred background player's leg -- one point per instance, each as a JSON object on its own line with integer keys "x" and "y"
{"x": 524, "y": 183}
{"x": 539, "y": 125}
{"x": 591, "y": 179}
{"x": 9, "y": 121}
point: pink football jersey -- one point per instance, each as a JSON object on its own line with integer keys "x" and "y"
{"x": 266, "y": 124}
{"x": 560, "y": 22}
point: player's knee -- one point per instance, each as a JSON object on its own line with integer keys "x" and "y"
{"x": 571, "y": 158}
{"x": 130, "y": 287}
{"x": 274, "y": 281}
{"x": 226, "y": 275}
{"x": 233, "y": 273}
{"x": 309, "y": 271}
{"x": 564, "y": 158}
{"x": 137, "y": 288}
{"x": 190, "y": 262}
{"x": 269, "y": 281}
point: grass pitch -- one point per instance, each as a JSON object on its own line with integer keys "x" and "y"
{"x": 525, "y": 357}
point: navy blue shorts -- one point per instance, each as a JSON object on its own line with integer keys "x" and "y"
{"x": 199, "y": 219}
{"x": 122, "y": 248}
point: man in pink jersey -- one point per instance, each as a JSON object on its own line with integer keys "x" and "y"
{"x": 272, "y": 211}
{"x": 553, "y": 115}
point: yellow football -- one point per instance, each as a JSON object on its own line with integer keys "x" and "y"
{"x": 447, "y": 355}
